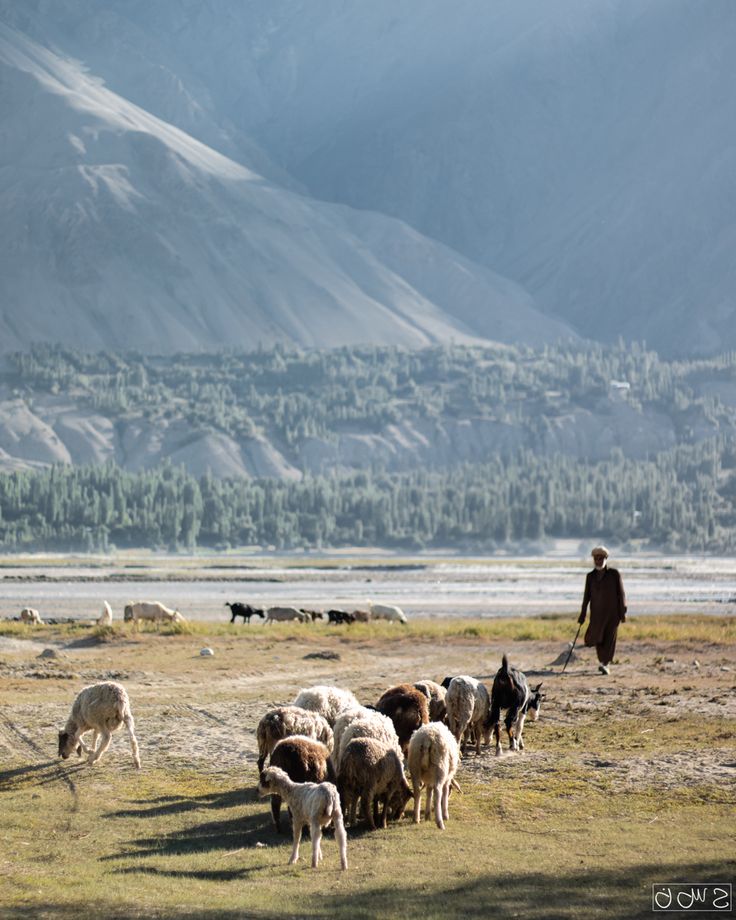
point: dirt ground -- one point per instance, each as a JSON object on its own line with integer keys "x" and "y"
{"x": 202, "y": 711}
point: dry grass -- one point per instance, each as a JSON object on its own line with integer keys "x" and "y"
{"x": 625, "y": 782}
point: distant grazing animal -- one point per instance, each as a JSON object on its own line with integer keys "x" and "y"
{"x": 105, "y": 618}
{"x": 244, "y": 610}
{"x": 100, "y": 708}
{"x": 467, "y": 704}
{"x": 314, "y": 614}
{"x": 151, "y": 610}
{"x": 285, "y": 614}
{"x": 362, "y": 616}
{"x": 314, "y": 804}
{"x": 284, "y": 721}
{"x": 304, "y": 760}
{"x": 29, "y": 615}
{"x": 340, "y": 616}
{"x": 433, "y": 761}
{"x": 387, "y": 612}
{"x": 511, "y": 692}
{"x": 407, "y": 707}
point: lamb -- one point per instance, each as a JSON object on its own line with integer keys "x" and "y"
{"x": 433, "y": 761}
{"x": 285, "y": 614}
{"x": 304, "y": 760}
{"x": 387, "y": 612}
{"x": 101, "y": 708}
{"x": 243, "y": 610}
{"x": 372, "y": 771}
{"x": 329, "y": 702}
{"x": 467, "y": 703}
{"x": 436, "y": 694}
{"x": 315, "y": 804}
{"x": 510, "y": 691}
{"x": 363, "y": 723}
{"x": 29, "y": 615}
{"x": 105, "y": 618}
{"x": 151, "y": 610}
{"x": 407, "y": 707}
{"x": 284, "y": 721}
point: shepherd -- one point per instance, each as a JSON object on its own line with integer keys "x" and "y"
{"x": 604, "y": 591}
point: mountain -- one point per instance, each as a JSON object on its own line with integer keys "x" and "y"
{"x": 120, "y": 230}
{"x": 584, "y": 149}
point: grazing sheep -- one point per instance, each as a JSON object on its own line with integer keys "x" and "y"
{"x": 100, "y": 708}
{"x": 304, "y": 760}
{"x": 151, "y": 610}
{"x": 407, "y": 707}
{"x": 105, "y": 618}
{"x": 313, "y": 804}
{"x": 433, "y": 761}
{"x": 284, "y": 721}
{"x": 363, "y": 723}
{"x": 372, "y": 771}
{"x": 340, "y": 616}
{"x": 510, "y": 691}
{"x": 329, "y": 702}
{"x": 436, "y": 694}
{"x": 362, "y": 616}
{"x": 387, "y": 612}
{"x": 243, "y": 610}
{"x": 314, "y": 614}
{"x": 468, "y": 703}
{"x": 29, "y": 615}
{"x": 285, "y": 614}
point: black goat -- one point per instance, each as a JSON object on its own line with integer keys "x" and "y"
{"x": 340, "y": 616}
{"x": 243, "y": 610}
{"x": 511, "y": 692}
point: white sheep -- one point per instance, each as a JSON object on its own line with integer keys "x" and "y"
{"x": 151, "y": 610}
{"x": 29, "y": 615}
{"x": 284, "y": 721}
{"x": 285, "y": 614}
{"x": 100, "y": 708}
{"x": 314, "y": 804}
{"x": 328, "y": 701}
{"x": 436, "y": 695}
{"x": 433, "y": 761}
{"x": 386, "y": 612}
{"x": 105, "y": 618}
{"x": 468, "y": 703}
{"x": 363, "y": 723}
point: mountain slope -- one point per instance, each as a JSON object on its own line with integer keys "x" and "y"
{"x": 120, "y": 230}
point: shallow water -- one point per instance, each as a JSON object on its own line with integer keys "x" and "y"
{"x": 429, "y": 588}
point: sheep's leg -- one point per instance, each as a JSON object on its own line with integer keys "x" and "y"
{"x": 478, "y": 738}
{"x": 276, "y": 812}
{"x": 439, "y": 803}
{"x": 428, "y": 803}
{"x": 82, "y": 747}
{"x": 315, "y": 832}
{"x": 341, "y": 837}
{"x": 417, "y": 797}
{"x": 130, "y": 726}
{"x": 105, "y": 739}
{"x": 297, "y": 840}
{"x": 368, "y": 798}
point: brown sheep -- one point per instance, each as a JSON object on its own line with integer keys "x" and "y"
{"x": 372, "y": 771}
{"x": 304, "y": 760}
{"x": 407, "y": 707}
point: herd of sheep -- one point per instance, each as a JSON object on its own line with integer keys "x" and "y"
{"x": 334, "y": 761}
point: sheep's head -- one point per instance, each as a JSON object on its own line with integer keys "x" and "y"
{"x": 398, "y": 800}
{"x": 268, "y": 781}
{"x": 68, "y": 744}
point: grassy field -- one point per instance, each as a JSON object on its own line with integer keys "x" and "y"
{"x": 627, "y": 780}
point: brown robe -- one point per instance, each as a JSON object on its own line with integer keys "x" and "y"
{"x": 604, "y": 591}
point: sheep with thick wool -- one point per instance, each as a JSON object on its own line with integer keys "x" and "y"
{"x": 407, "y": 707}
{"x": 363, "y": 723}
{"x": 372, "y": 771}
{"x": 100, "y": 708}
{"x": 433, "y": 760}
{"x": 435, "y": 694}
{"x": 468, "y": 703}
{"x": 283, "y": 721}
{"x": 304, "y": 760}
{"x": 316, "y": 805}
{"x": 328, "y": 701}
